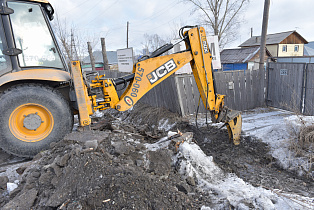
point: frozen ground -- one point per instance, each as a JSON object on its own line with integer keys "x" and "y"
{"x": 276, "y": 128}
{"x": 228, "y": 186}
{"x": 205, "y": 164}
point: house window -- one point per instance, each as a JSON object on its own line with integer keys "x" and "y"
{"x": 284, "y": 48}
{"x": 296, "y": 48}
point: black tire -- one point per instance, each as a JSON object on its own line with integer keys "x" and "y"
{"x": 23, "y": 112}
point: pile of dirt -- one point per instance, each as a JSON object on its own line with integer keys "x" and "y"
{"x": 144, "y": 114}
{"x": 117, "y": 165}
{"x": 108, "y": 168}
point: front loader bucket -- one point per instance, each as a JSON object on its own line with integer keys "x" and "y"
{"x": 234, "y": 126}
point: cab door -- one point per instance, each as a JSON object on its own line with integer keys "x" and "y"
{"x": 5, "y": 62}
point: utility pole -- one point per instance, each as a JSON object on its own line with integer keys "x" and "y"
{"x": 72, "y": 43}
{"x": 91, "y": 56}
{"x": 74, "y": 55}
{"x": 127, "y": 34}
{"x": 261, "y": 74}
{"x": 104, "y": 54}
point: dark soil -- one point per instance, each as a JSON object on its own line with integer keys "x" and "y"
{"x": 110, "y": 168}
{"x": 250, "y": 160}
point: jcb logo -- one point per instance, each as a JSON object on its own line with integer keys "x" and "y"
{"x": 161, "y": 71}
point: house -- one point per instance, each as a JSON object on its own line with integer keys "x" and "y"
{"x": 284, "y": 44}
{"x": 307, "y": 58}
{"x": 309, "y": 49}
{"x": 241, "y": 58}
{"x": 99, "y": 64}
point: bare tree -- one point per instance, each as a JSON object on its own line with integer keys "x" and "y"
{"x": 152, "y": 42}
{"x": 221, "y": 16}
{"x": 63, "y": 35}
{"x": 175, "y": 27}
{"x": 72, "y": 40}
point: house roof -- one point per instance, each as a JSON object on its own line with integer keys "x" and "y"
{"x": 239, "y": 55}
{"x": 111, "y": 55}
{"x": 309, "y": 49}
{"x": 270, "y": 39}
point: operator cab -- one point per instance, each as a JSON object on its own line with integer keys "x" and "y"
{"x": 27, "y": 40}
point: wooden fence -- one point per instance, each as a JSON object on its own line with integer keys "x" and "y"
{"x": 239, "y": 88}
{"x": 309, "y": 90}
{"x": 289, "y": 86}
{"x": 179, "y": 93}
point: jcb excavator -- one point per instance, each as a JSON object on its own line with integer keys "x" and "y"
{"x": 39, "y": 95}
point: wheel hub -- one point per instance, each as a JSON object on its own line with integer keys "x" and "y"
{"x": 32, "y": 121}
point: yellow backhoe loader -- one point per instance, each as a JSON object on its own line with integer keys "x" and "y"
{"x": 39, "y": 95}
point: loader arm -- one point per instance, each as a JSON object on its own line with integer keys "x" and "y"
{"x": 150, "y": 72}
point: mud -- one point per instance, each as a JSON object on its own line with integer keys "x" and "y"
{"x": 106, "y": 168}
{"x": 250, "y": 161}
{"x": 111, "y": 168}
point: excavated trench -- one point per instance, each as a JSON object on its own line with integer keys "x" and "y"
{"x": 111, "y": 168}
{"x": 251, "y": 161}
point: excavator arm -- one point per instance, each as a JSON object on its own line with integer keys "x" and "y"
{"x": 151, "y": 71}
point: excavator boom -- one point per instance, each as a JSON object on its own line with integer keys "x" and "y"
{"x": 40, "y": 95}
{"x": 151, "y": 71}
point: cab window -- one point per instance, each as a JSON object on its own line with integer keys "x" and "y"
{"x": 32, "y": 36}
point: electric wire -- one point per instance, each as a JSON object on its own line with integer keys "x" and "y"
{"x": 157, "y": 14}
{"x": 163, "y": 24}
{"x": 75, "y": 7}
{"x": 102, "y": 11}
{"x": 89, "y": 10}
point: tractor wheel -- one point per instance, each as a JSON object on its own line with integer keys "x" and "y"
{"x": 31, "y": 117}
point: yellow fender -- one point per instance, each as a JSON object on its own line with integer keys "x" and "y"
{"x": 36, "y": 74}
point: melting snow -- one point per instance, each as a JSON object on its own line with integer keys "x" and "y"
{"x": 193, "y": 162}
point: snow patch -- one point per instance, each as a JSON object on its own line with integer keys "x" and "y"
{"x": 11, "y": 186}
{"x": 164, "y": 125}
{"x": 98, "y": 113}
{"x": 162, "y": 143}
{"x": 192, "y": 162}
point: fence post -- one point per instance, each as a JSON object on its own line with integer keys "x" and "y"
{"x": 91, "y": 56}
{"x": 104, "y": 53}
{"x": 304, "y": 87}
{"x": 179, "y": 92}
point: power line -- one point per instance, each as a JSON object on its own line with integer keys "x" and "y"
{"x": 157, "y": 14}
{"x": 102, "y": 11}
{"x": 90, "y": 9}
{"x": 165, "y": 22}
{"x": 148, "y": 19}
{"x": 75, "y": 7}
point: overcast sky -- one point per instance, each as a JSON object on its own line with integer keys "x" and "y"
{"x": 108, "y": 18}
